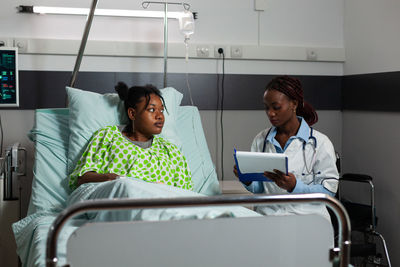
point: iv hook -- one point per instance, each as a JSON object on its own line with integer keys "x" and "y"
{"x": 145, "y": 4}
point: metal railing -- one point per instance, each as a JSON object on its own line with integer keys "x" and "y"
{"x": 343, "y": 252}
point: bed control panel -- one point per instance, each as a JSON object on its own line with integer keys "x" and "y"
{"x": 15, "y": 156}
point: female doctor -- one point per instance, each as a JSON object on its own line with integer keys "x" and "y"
{"x": 311, "y": 156}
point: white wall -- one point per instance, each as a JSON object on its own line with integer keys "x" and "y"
{"x": 314, "y": 22}
{"x": 372, "y": 40}
{"x": 370, "y": 146}
{"x": 370, "y": 139}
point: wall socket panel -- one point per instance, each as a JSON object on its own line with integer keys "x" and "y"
{"x": 236, "y": 51}
{"x": 312, "y": 54}
{"x": 22, "y": 45}
{"x": 218, "y": 55}
{"x": 4, "y": 41}
{"x": 260, "y": 5}
{"x": 203, "y": 51}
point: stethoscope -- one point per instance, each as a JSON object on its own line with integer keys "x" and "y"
{"x": 309, "y": 168}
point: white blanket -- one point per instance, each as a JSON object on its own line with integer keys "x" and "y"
{"x": 31, "y": 232}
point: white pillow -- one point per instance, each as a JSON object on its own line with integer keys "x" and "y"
{"x": 91, "y": 111}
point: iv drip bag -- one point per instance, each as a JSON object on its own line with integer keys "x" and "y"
{"x": 186, "y": 24}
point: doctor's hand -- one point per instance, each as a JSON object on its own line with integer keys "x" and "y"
{"x": 235, "y": 171}
{"x": 287, "y": 182}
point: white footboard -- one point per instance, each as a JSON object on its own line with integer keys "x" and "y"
{"x": 305, "y": 240}
{"x": 284, "y": 241}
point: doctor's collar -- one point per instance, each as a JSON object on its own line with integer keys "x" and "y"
{"x": 303, "y": 133}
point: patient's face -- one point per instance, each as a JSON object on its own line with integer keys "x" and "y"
{"x": 149, "y": 120}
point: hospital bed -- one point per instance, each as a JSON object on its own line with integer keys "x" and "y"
{"x": 218, "y": 235}
{"x": 167, "y": 226}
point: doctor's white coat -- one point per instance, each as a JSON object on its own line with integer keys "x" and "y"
{"x": 321, "y": 162}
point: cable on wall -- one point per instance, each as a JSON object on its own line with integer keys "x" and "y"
{"x": 217, "y": 126}
{"x": 222, "y": 52}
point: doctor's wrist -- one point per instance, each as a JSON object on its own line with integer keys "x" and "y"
{"x": 293, "y": 187}
{"x": 300, "y": 188}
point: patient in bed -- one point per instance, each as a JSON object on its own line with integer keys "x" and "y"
{"x": 133, "y": 150}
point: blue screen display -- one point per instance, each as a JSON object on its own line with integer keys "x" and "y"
{"x": 8, "y": 77}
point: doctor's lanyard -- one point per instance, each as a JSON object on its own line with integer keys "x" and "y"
{"x": 308, "y": 168}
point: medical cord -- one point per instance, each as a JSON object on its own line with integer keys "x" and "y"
{"x": 187, "y": 71}
{"x": 203, "y": 160}
{"x": 309, "y": 168}
{"x": 192, "y": 103}
{"x": 189, "y": 89}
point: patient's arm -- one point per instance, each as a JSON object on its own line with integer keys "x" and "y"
{"x": 93, "y": 177}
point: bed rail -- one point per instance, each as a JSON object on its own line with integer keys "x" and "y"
{"x": 341, "y": 254}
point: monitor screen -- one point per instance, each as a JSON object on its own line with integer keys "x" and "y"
{"x": 9, "y": 77}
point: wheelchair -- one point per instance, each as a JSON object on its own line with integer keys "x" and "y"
{"x": 368, "y": 247}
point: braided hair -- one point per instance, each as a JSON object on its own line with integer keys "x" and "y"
{"x": 132, "y": 96}
{"x": 291, "y": 87}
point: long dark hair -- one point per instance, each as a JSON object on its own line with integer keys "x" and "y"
{"x": 132, "y": 96}
{"x": 292, "y": 88}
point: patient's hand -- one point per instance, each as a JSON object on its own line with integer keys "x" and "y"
{"x": 94, "y": 177}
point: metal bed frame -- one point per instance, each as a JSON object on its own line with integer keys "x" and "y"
{"x": 340, "y": 255}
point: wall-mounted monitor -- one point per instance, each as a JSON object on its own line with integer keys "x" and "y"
{"x": 9, "y": 91}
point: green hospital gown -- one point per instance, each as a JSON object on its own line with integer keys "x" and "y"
{"x": 110, "y": 152}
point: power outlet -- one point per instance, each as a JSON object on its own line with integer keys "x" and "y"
{"x": 22, "y": 45}
{"x": 216, "y": 53}
{"x": 260, "y": 5}
{"x": 311, "y": 54}
{"x": 236, "y": 51}
{"x": 203, "y": 51}
{"x": 5, "y": 42}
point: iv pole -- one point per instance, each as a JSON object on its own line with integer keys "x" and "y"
{"x": 83, "y": 43}
{"x": 186, "y": 6}
{"x": 89, "y": 24}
